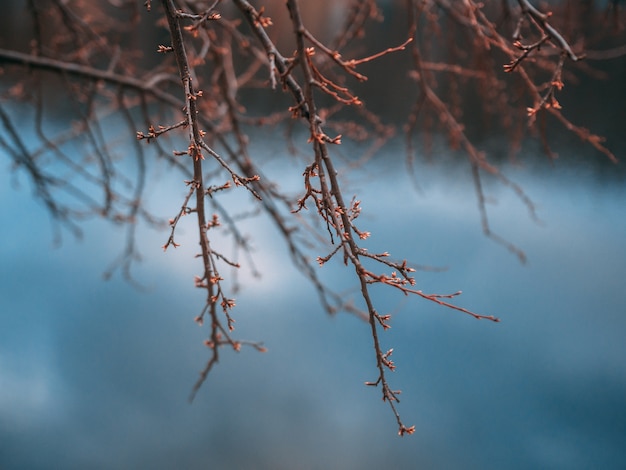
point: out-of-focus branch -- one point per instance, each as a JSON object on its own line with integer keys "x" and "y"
{"x": 541, "y": 20}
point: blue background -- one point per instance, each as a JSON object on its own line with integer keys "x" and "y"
{"x": 96, "y": 374}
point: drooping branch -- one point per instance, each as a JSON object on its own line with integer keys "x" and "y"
{"x": 199, "y": 97}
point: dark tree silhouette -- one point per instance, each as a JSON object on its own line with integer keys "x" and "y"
{"x": 180, "y": 73}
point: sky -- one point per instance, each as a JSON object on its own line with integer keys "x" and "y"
{"x": 96, "y": 374}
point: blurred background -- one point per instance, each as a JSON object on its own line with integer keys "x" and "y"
{"x": 97, "y": 374}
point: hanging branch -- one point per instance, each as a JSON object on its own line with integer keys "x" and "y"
{"x": 210, "y": 279}
{"x": 213, "y": 59}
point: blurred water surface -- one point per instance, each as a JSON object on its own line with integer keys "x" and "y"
{"x": 96, "y": 374}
